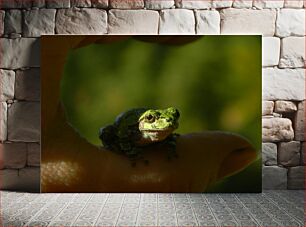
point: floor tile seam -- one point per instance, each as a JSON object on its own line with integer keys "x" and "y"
{"x": 119, "y": 212}
{"x": 41, "y": 210}
{"x": 81, "y": 210}
{"x": 269, "y": 214}
{"x": 213, "y": 214}
{"x": 63, "y": 208}
{"x": 194, "y": 215}
{"x": 247, "y": 209}
{"x": 230, "y": 211}
{"x": 282, "y": 209}
{"x": 101, "y": 210}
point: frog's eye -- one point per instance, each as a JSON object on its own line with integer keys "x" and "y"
{"x": 150, "y": 118}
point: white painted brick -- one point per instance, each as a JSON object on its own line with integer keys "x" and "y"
{"x": 14, "y": 155}
{"x": 208, "y": 22}
{"x": 159, "y": 4}
{"x": 7, "y": 81}
{"x": 285, "y": 106}
{"x": 126, "y": 4}
{"x": 293, "y": 4}
{"x": 19, "y": 53}
{"x": 33, "y": 158}
{"x": 283, "y": 84}
{"x": 39, "y": 22}
{"x": 289, "y": 153}
{"x": 24, "y": 122}
{"x": 290, "y": 22}
{"x": 261, "y": 4}
{"x": 81, "y": 21}
{"x": 299, "y": 122}
{"x": 27, "y": 86}
{"x": 242, "y": 4}
{"x": 267, "y": 107}
{"x": 3, "y": 121}
{"x": 269, "y": 154}
{"x": 270, "y": 51}
{"x": 222, "y": 3}
{"x": 178, "y": 21}
{"x": 274, "y": 177}
{"x": 277, "y": 129}
{"x": 248, "y": 21}
{"x": 193, "y": 4}
{"x": 133, "y": 22}
{"x": 293, "y": 52}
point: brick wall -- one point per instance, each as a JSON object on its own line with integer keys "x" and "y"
{"x": 281, "y": 22}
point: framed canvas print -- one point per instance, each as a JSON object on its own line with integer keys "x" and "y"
{"x": 151, "y": 113}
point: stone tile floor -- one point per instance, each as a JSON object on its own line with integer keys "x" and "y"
{"x": 270, "y": 208}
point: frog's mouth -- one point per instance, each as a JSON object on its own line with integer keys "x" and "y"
{"x": 154, "y": 135}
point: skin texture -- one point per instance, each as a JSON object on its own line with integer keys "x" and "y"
{"x": 70, "y": 164}
{"x": 140, "y": 127}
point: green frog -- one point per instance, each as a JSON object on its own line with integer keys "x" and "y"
{"x": 140, "y": 127}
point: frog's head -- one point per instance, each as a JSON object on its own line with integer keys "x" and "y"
{"x": 158, "y": 124}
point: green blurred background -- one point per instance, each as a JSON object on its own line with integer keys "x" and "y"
{"x": 214, "y": 81}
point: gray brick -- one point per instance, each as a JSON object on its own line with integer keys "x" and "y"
{"x": 39, "y": 3}
{"x": 296, "y": 177}
{"x": 303, "y": 160}
{"x": 126, "y": 4}
{"x": 99, "y": 3}
{"x": 13, "y": 21}
{"x": 19, "y": 53}
{"x": 299, "y": 122}
{"x": 27, "y": 86}
{"x": 33, "y": 158}
{"x": 159, "y": 4}
{"x": 56, "y": 4}
{"x": 39, "y": 22}
{"x": 7, "y": 81}
{"x": 14, "y": 155}
{"x": 3, "y": 121}
{"x": 2, "y": 15}
{"x": 15, "y": 4}
{"x": 80, "y": 3}
{"x": 274, "y": 177}
{"x": 24, "y": 122}
{"x": 26, "y": 179}
{"x": 269, "y": 154}
{"x": 289, "y": 153}
{"x": 85, "y": 21}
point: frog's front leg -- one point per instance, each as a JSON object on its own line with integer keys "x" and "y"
{"x": 132, "y": 152}
{"x": 171, "y": 142}
{"x": 135, "y": 154}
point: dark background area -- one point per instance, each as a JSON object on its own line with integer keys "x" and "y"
{"x": 214, "y": 81}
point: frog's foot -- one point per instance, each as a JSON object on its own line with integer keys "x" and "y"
{"x": 134, "y": 156}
